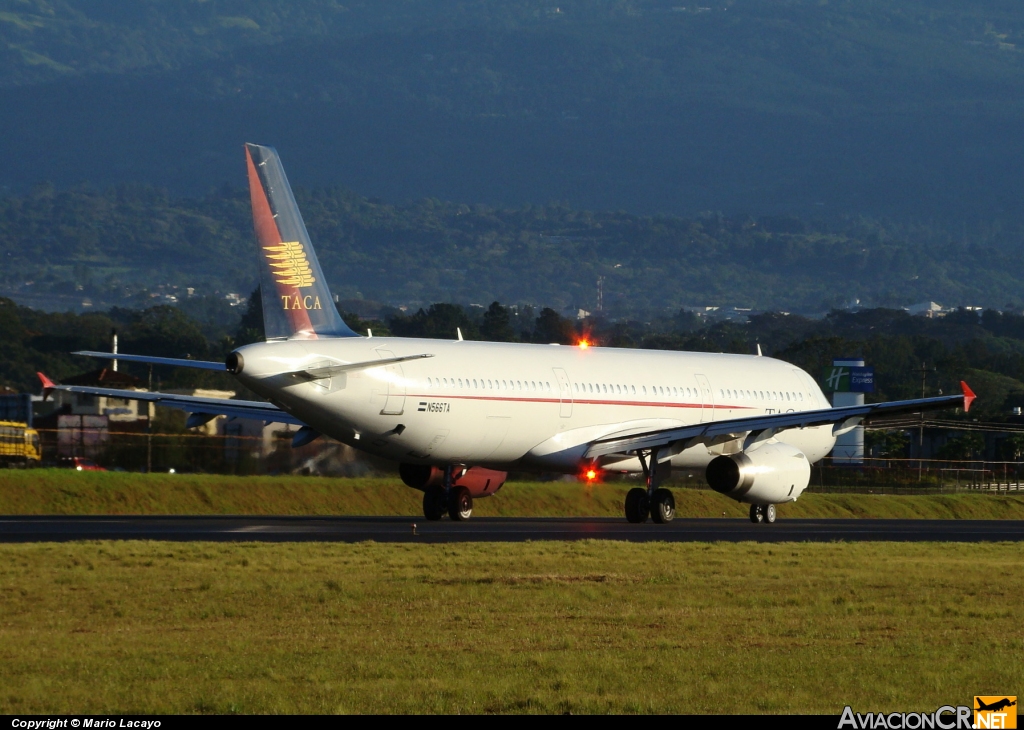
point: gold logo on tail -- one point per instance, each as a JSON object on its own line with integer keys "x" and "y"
{"x": 289, "y": 265}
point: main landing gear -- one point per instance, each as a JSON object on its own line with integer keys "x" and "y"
{"x": 661, "y": 506}
{"x": 759, "y": 513}
{"x": 460, "y": 504}
{"x": 656, "y": 502}
{"x": 434, "y": 502}
{"x": 446, "y": 497}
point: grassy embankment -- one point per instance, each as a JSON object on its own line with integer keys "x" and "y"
{"x": 51, "y": 491}
{"x": 141, "y": 627}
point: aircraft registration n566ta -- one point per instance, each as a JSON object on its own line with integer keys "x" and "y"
{"x": 457, "y": 415}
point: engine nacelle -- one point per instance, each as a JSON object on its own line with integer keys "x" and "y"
{"x": 771, "y": 474}
{"x": 479, "y": 481}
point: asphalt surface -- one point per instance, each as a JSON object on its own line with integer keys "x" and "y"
{"x": 493, "y": 529}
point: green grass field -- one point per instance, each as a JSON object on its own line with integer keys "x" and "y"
{"x": 55, "y": 491}
{"x": 143, "y": 627}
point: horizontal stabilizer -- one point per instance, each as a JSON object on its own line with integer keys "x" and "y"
{"x": 146, "y": 359}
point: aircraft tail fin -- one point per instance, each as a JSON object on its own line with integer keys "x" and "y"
{"x": 296, "y": 301}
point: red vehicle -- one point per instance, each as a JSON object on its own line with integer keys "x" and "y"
{"x": 79, "y": 463}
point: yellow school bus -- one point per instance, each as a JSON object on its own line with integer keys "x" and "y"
{"x": 19, "y": 444}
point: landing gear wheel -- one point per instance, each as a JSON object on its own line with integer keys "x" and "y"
{"x": 756, "y": 515}
{"x": 663, "y": 506}
{"x": 637, "y": 505}
{"x": 769, "y": 513}
{"x": 433, "y": 503}
{"x": 460, "y": 505}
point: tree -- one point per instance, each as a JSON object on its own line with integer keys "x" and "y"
{"x": 250, "y": 329}
{"x": 964, "y": 447}
{"x": 1012, "y": 447}
{"x": 886, "y": 444}
{"x": 167, "y": 332}
{"x": 496, "y": 326}
{"x": 551, "y": 327}
{"x": 439, "y": 321}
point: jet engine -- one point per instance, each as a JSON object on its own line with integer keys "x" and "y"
{"x": 479, "y": 481}
{"x": 771, "y": 474}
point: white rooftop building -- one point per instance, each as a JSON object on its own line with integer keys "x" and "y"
{"x": 926, "y": 309}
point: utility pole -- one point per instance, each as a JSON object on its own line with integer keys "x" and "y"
{"x": 924, "y": 370}
{"x": 149, "y": 426}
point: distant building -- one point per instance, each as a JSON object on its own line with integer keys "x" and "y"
{"x": 78, "y": 424}
{"x": 16, "y": 407}
{"x": 115, "y": 409}
{"x": 75, "y": 435}
{"x": 246, "y": 437}
{"x": 926, "y": 309}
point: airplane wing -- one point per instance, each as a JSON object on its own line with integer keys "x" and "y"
{"x": 670, "y": 441}
{"x": 201, "y": 409}
{"x": 146, "y": 359}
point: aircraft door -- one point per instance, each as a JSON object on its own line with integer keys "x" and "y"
{"x": 564, "y": 393}
{"x": 395, "y": 403}
{"x": 707, "y": 398}
{"x": 809, "y": 387}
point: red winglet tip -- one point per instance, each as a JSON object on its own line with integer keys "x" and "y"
{"x": 969, "y": 395}
{"x": 48, "y": 385}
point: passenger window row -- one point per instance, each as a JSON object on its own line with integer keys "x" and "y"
{"x": 605, "y": 388}
{"x": 483, "y": 384}
{"x": 762, "y": 395}
{"x": 617, "y": 389}
{"x": 611, "y": 389}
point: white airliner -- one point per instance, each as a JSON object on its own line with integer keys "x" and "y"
{"x": 457, "y": 415}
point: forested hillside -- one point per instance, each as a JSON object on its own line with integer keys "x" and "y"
{"x": 60, "y": 247}
{"x": 909, "y": 109}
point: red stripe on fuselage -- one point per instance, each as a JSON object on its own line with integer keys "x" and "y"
{"x": 649, "y": 404}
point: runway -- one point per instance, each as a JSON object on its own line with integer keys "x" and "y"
{"x": 493, "y": 529}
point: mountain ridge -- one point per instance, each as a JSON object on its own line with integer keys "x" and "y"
{"x": 845, "y": 108}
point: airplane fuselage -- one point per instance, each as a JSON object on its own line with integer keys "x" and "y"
{"x": 508, "y": 405}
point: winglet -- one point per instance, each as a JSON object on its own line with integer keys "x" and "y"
{"x": 969, "y": 395}
{"x": 48, "y": 385}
